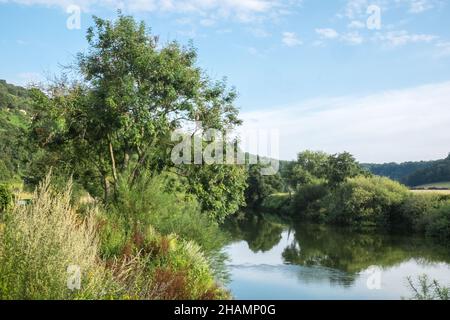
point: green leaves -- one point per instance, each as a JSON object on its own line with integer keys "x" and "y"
{"x": 260, "y": 187}
{"x": 5, "y": 197}
{"x": 319, "y": 167}
{"x": 118, "y": 118}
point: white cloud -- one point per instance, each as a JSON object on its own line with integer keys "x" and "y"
{"x": 419, "y": 6}
{"x": 401, "y": 125}
{"x": 357, "y": 9}
{"x": 327, "y": 33}
{"x": 400, "y": 38}
{"x": 353, "y": 38}
{"x": 290, "y": 39}
{"x": 243, "y": 10}
{"x": 356, "y": 24}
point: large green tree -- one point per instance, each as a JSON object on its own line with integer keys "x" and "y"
{"x": 315, "y": 167}
{"x": 117, "y": 119}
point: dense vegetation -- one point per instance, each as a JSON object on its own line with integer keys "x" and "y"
{"x": 335, "y": 189}
{"x": 40, "y": 243}
{"x": 15, "y": 110}
{"x": 137, "y": 225}
{"x": 414, "y": 173}
{"x": 438, "y": 172}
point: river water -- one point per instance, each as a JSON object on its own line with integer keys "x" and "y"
{"x": 271, "y": 259}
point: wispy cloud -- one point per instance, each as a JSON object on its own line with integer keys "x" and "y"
{"x": 327, "y": 33}
{"x": 419, "y": 6}
{"x": 290, "y": 39}
{"x": 356, "y": 24}
{"x": 409, "y": 124}
{"x": 357, "y": 9}
{"x": 400, "y": 38}
{"x": 354, "y": 9}
{"x": 353, "y": 38}
{"x": 242, "y": 10}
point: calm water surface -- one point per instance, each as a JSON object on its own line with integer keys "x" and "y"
{"x": 270, "y": 259}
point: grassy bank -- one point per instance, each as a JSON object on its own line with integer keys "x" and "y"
{"x": 117, "y": 257}
{"x": 441, "y": 192}
{"x": 435, "y": 185}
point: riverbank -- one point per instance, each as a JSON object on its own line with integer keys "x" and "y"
{"x": 426, "y": 213}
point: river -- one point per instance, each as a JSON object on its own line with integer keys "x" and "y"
{"x": 273, "y": 259}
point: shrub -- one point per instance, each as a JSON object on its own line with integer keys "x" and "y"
{"x": 437, "y": 223}
{"x": 415, "y": 210}
{"x": 277, "y": 202}
{"x": 163, "y": 203}
{"x": 40, "y": 242}
{"x": 5, "y": 172}
{"x": 365, "y": 200}
{"x": 190, "y": 271}
{"x": 150, "y": 213}
{"x": 5, "y": 197}
{"x": 154, "y": 266}
{"x": 306, "y": 202}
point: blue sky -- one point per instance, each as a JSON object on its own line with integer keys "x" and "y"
{"x": 291, "y": 61}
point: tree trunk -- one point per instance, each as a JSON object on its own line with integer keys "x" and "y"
{"x": 105, "y": 189}
{"x": 113, "y": 162}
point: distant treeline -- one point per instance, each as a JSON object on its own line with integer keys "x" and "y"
{"x": 413, "y": 173}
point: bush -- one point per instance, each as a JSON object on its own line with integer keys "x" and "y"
{"x": 365, "y": 200}
{"x": 41, "y": 241}
{"x": 160, "y": 203}
{"x": 153, "y": 266}
{"x": 306, "y": 203}
{"x": 277, "y": 202}
{"x": 437, "y": 223}
{"x": 185, "y": 260}
{"x": 5, "y": 172}
{"x": 5, "y": 197}
{"x": 415, "y": 210}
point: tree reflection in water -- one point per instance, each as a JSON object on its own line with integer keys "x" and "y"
{"x": 337, "y": 254}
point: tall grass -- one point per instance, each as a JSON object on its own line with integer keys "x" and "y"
{"x": 41, "y": 241}
{"x": 425, "y": 289}
{"x": 162, "y": 202}
{"x": 120, "y": 256}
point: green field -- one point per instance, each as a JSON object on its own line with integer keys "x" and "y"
{"x": 426, "y": 188}
{"x": 435, "y": 185}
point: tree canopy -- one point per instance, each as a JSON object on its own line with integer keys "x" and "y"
{"x": 116, "y": 119}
